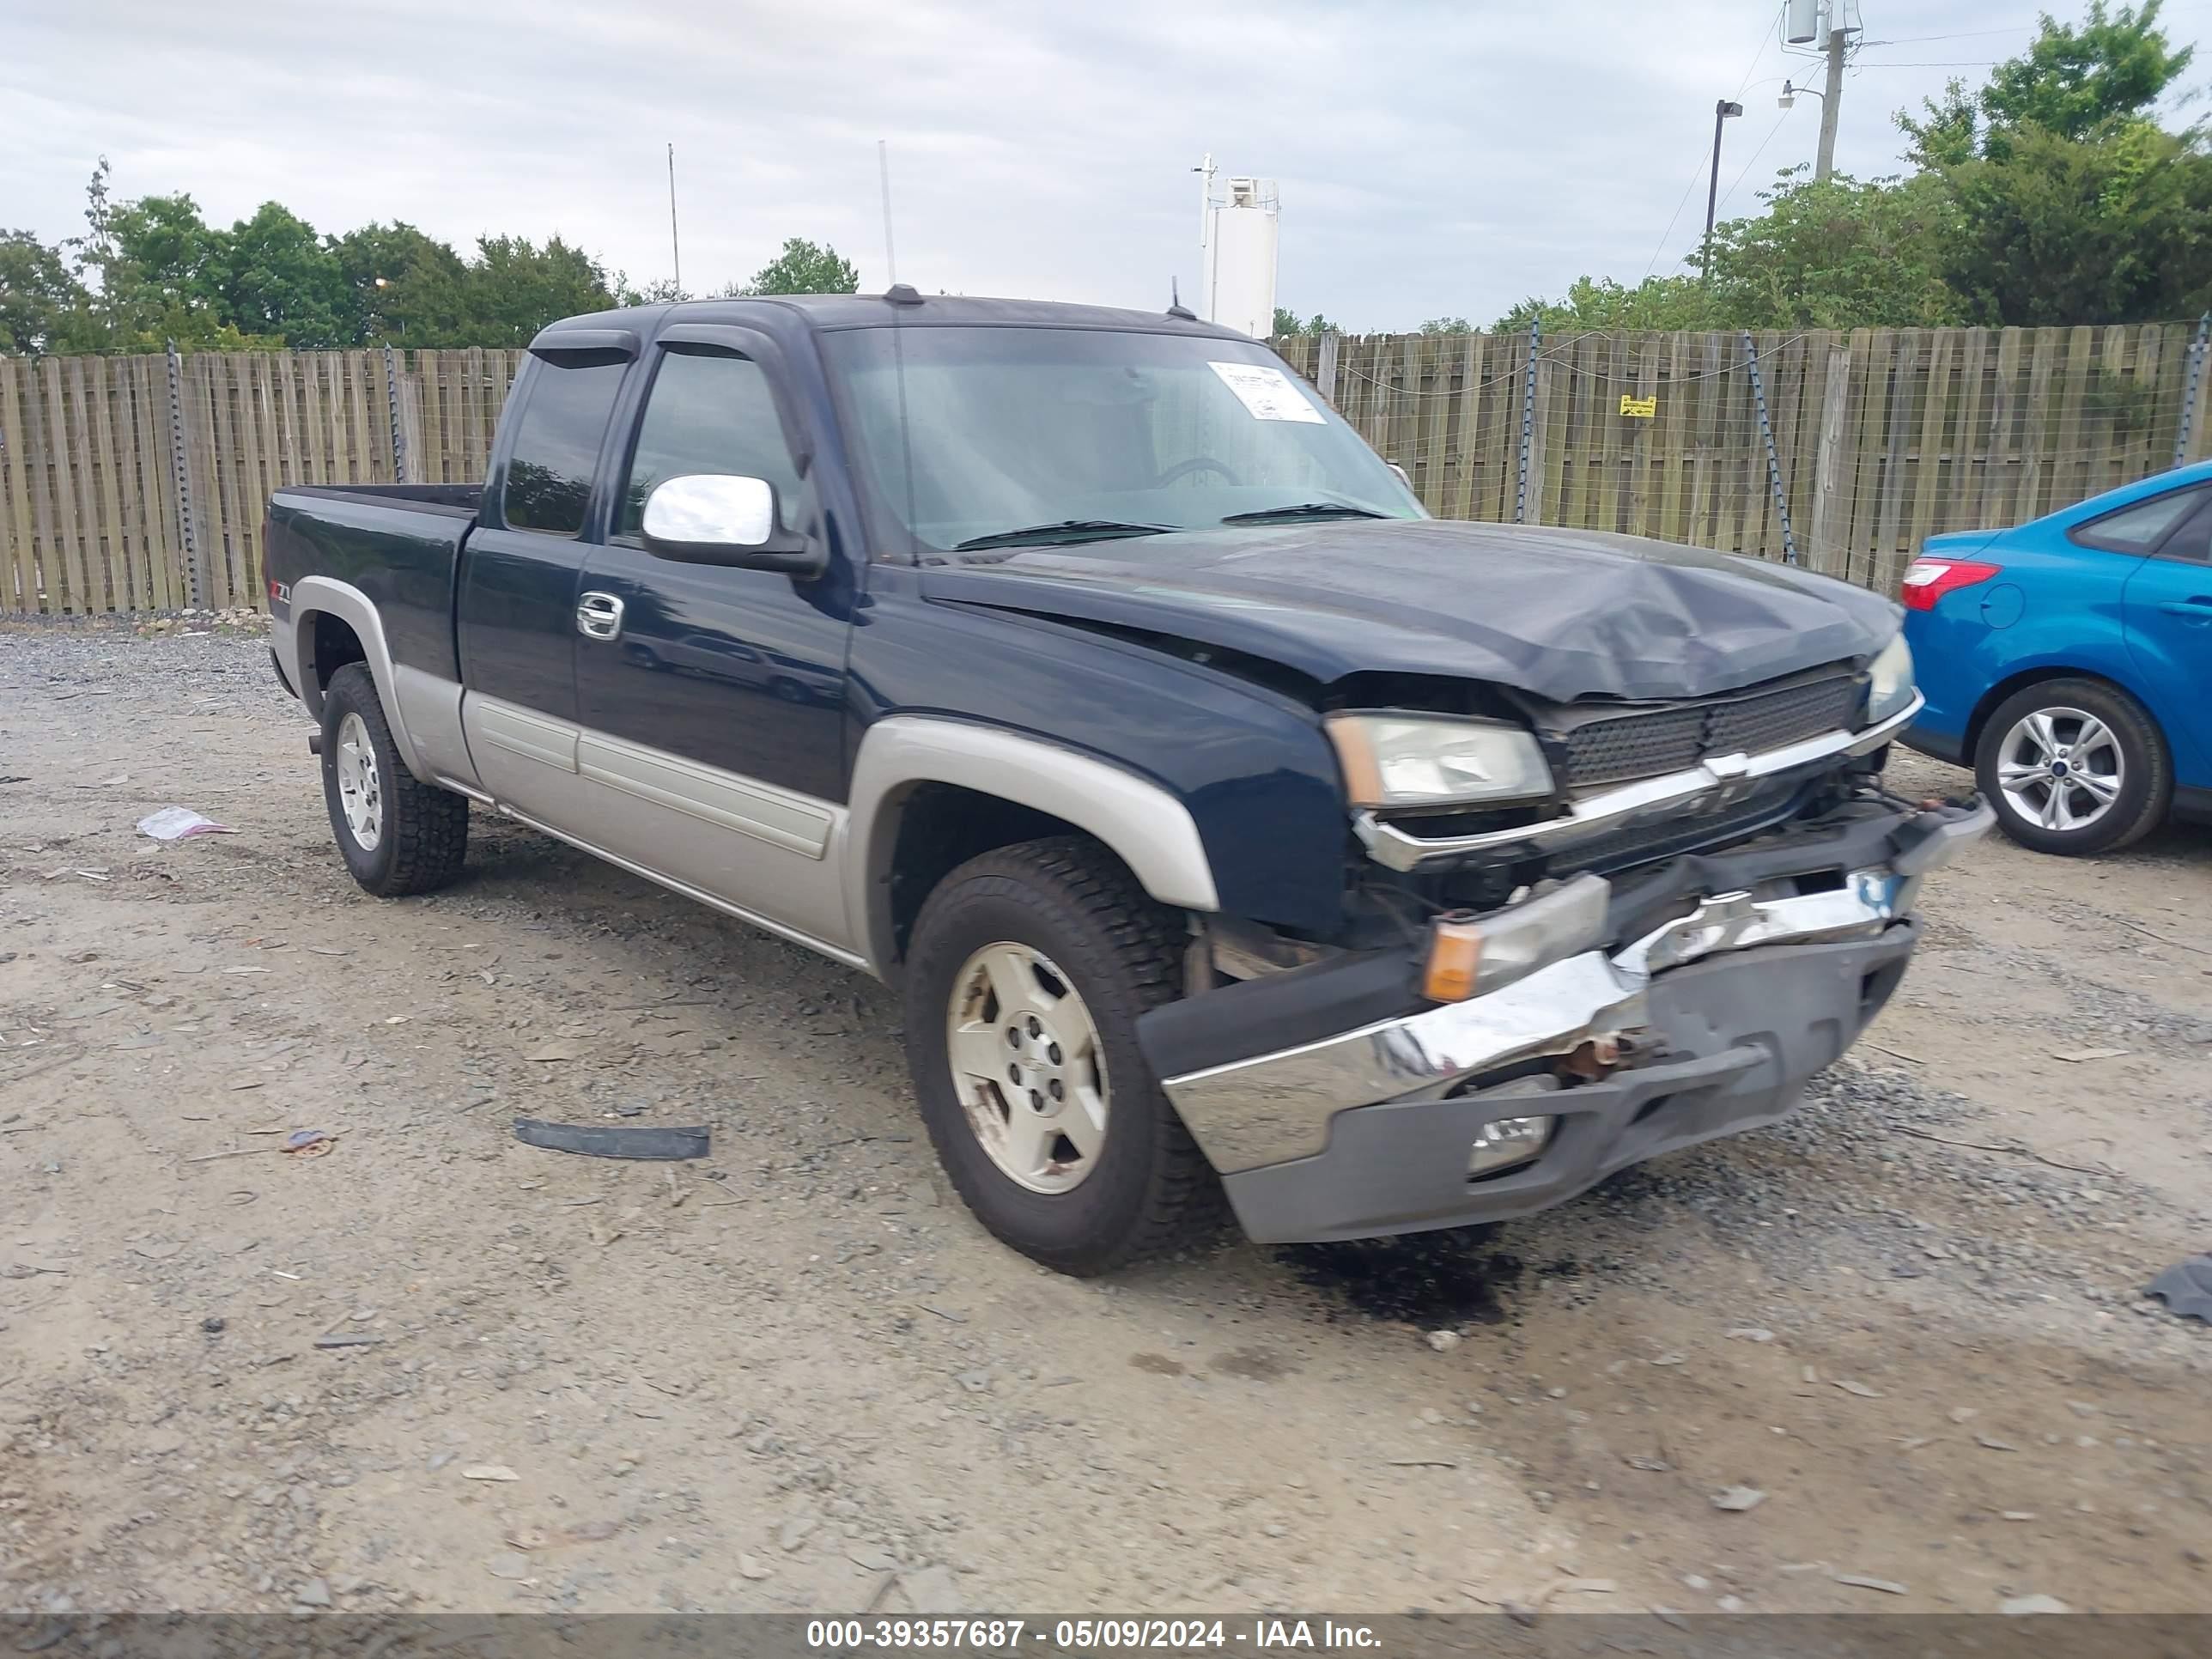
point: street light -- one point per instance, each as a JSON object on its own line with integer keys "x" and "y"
{"x": 1722, "y": 111}
{"x": 1789, "y": 98}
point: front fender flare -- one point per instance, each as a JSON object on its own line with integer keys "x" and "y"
{"x": 1148, "y": 829}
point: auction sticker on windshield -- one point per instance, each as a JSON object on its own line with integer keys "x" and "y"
{"x": 1269, "y": 393}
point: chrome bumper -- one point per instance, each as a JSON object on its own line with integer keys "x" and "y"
{"x": 1274, "y": 1108}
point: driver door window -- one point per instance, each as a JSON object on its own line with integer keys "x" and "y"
{"x": 710, "y": 410}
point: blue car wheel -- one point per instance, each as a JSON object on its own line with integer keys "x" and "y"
{"x": 2073, "y": 767}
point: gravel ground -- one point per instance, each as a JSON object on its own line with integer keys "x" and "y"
{"x": 798, "y": 1377}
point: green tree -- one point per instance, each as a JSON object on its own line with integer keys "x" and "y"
{"x": 803, "y": 267}
{"x": 2071, "y": 82}
{"x": 1447, "y": 325}
{"x": 163, "y": 254}
{"x": 277, "y": 278}
{"x": 2069, "y": 204}
{"x": 1287, "y": 323}
{"x": 40, "y": 297}
{"x": 152, "y": 271}
{"x": 514, "y": 287}
{"x": 402, "y": 285}
{"x": 2047, "y": 195}
{"x": 2054, "y": 231}
{"x": 661, "y": 291}
{"x": 1838, "y": 254}
{"x": 1600, "y": 303}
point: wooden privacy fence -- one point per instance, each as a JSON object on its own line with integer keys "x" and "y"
{"x": 1879, "y": 437}
{"x": 133, "y": 483}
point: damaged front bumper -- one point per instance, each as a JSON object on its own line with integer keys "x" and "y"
{"x": 1730, "y": 980}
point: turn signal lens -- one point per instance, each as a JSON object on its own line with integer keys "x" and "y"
{"x": 1454, "y": 957}
{"x": 1928, "y": 580}
{"x": 1472, "y": 955}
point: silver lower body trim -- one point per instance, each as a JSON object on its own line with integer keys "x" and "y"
{"x": 1274, "y": 1108}
{"x": 834, "y": 952}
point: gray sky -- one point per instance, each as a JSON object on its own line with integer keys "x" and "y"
{"x": 1433, "y": 158}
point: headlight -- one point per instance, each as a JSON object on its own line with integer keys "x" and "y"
{"x": 1889, "y": 681}
{"x": 1436, "y": 760}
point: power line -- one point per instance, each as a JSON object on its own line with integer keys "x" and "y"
{"x": 1653, "y": 264}
{"x": 1969, "y": 34}
{"x": 1756, "y": 155}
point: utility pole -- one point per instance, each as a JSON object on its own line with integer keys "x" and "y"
{"x": 1722, "y": 111}
{"x": 1832, "y": 102}
{"x": 675, "y": 248}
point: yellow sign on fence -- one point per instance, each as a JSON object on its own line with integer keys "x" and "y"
{"x": 1641, "y": 409}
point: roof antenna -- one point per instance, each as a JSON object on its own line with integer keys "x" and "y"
{"x": 883, "y": 173}
{"x": 1175, "y": 307}
{"x": 675, "y": 247}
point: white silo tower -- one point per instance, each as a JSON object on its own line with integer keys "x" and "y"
{"x": 1241, "y": 232}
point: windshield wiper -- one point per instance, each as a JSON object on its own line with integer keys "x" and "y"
{"x": 1067, "y": 530}
{"x": 1304, "y": 510}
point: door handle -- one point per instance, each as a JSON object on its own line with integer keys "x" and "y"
{"x": 598, "y": 616}
{"x": 2197, "y": 610}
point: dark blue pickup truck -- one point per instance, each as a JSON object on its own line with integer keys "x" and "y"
{"x": 1229, "y": 826}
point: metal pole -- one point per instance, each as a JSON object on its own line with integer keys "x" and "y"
{"x": 391, "y": 409}
{"x": 1528, "y": 422}
{"x": 1722, "y": 110}
{"x": 181, "y": 471}
{"x": 675, "y": 247}
{"x": 2189, "y": 395}
{"x": 1773, "y": 461}
{"x": 1830, "y": 103}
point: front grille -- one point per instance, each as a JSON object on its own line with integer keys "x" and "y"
{"x": 1656, "y": 741}
{"x": 1635, "y": 746}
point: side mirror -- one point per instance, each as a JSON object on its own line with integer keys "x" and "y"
{"x": 718, "y": 518}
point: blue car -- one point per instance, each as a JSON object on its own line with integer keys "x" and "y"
{"x": 2068, "y": 661}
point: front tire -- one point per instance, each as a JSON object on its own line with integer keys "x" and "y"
{"x": 396, "y": 834}
{"x": 2073, "y": 767}
{"x": 1028, "y": 970}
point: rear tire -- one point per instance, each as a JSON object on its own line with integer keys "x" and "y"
{"x": 396, "y": 834}
{"x": 1088, "y": 952}
{"x": 2073, "y": 767}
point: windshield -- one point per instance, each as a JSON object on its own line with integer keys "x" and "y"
{"x": 1038, "y": 437}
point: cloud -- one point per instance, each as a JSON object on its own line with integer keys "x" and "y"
{"x": 1434, "y": 158}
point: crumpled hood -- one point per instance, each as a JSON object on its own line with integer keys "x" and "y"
{"x": 1559, "y": 614}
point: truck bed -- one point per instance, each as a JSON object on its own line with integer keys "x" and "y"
{"x": 398, "y": 544}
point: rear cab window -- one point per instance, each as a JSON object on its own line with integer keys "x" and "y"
{"x": 557, "y": 434}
